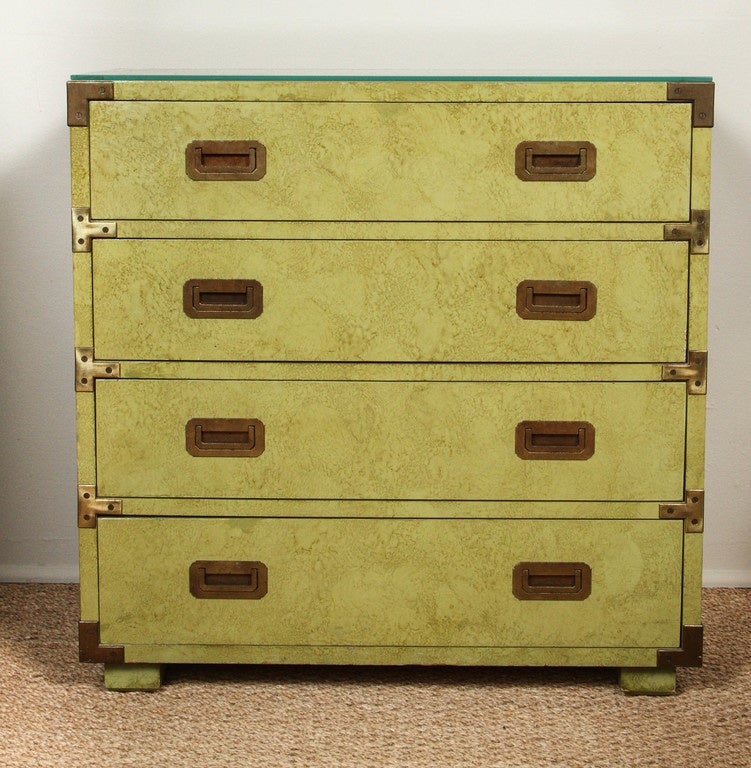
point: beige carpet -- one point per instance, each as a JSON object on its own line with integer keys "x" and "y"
{"x": 54, "y": 711}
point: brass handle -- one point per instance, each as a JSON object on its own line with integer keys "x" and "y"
{"x": 556, "y": 160}
{"x": 223, "y": 299}
{"x": 556, "y": 300}
{"x": 225, "y": 437}
{"x": 552, "y": 581}
{"x": 568, "y": 440}
{"x": 228, "y": 579}
{"x": 225, "y": 160}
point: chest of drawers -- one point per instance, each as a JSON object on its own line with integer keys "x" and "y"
{"x": 390, "y": 371}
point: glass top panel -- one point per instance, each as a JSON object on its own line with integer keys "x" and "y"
{"x": 469, "y": 77}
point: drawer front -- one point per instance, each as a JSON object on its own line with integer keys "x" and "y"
{"x": 390, "y": 301}
{"x": 390, "y": 439}
{"x": 386, "y": 161}
{"x": 389, "y": 582}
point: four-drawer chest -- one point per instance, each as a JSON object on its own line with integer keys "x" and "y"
{"x": 390, "y": 371}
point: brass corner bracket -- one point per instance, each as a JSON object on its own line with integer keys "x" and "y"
{"x": 696, "y": 231}
{"x": 693, "y": 371}
{"x": 690, "y": 654}
{"x": 691, "y": 511}
{"x": 81, "y": 92}
{"x": 88, "y": 369}
{"x": 89, "y": 506}
{"x": 84, "y": 229}
{"x": 701, "y": 96}
{"x": 90, "y": 649}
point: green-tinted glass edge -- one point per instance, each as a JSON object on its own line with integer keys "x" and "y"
{"x": 413, "y": 78}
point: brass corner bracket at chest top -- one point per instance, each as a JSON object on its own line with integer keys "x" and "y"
{"x": 691, "y": 511}
{"x": 701, "y": 97}
{"x": 81, "y": 92}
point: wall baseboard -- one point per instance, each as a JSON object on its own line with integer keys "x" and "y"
{"x": 714, "y": 578}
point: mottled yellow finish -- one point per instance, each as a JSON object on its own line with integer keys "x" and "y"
{"x": 701, "y": 161}
{"x": 390, "y": 582}
{"x": 83, "y": 327}
{"x": 387, "y": 509}
{"x": 385, "y": 90}
{"x": 390, "y": 440}
{"x": 79, "y": 167}
{"x": 390, "y": 230}
{"x": 373, "y": 301}
{"x": 390, "y": 161}
{"x": 88, "y": 574}
{"x": 697, "y": 302}
{"x": 396, "y": 655}
{"x": 696, "y": 416}
{"x": 692, "y": 579}
{"x": 85, "y": 440}
{"x": 143, "y": 369}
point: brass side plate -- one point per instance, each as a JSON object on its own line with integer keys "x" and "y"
{"x": 81, "y": 92}
{"x": 89, "y": 506}
{"x": 691, "y": 511}
{"x": 696, "y": 231}
{"x": 84, "y": 229}
{"x": 88, "y": 369}
{"x": 693, "y": 371}
{"x": 701, "y": 96}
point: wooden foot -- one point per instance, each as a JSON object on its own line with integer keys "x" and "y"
{"x": 132, "y": 677}
{"x": 648, "y": 681}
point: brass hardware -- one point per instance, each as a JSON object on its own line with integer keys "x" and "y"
{"x": 90, "y": 649}
{"x": 556, "y": 160}
{"x": 88, "y": 369}
{"x": 225, "y": 437}
{"x": 552, "y": 581}
{"x": 694, "y": 371}
{"x": 701, "y": 96}
{"x": 225, "y": 160}
{"x": 84, "y": 229}
{"x": 89, "y": 506}
{"x": 691, "y": 511}
{"x": 556, "y": 300}
{"x": 81, "y": 92}
{"x": 690, "y": 654}
{"x": 223, "y": 299}
{"x": 696, "y": 231}
{"x": 227, "y": 579}
{"x": 546, "y": 440}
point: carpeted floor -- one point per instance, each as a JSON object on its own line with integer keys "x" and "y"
{"x": 55, "y": 712}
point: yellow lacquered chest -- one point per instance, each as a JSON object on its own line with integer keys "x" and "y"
{"x": 390, "y": 371}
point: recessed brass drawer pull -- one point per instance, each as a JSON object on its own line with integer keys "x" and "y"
{"x": 568, "y": 440}
{"x": 225, "y": 160}
{"x": 556, "y": 300}
{"x": 228, "y": 579}
{"x": 556, "y": 160}
{"x": 223, "y": 299}
{"x": 552, "y": 581}
{"x": 225, "y": 437}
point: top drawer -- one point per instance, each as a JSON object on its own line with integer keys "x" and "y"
{"x": 376, "y": 161}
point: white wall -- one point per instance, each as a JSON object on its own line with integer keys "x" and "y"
{"x": 43, "y": 42}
